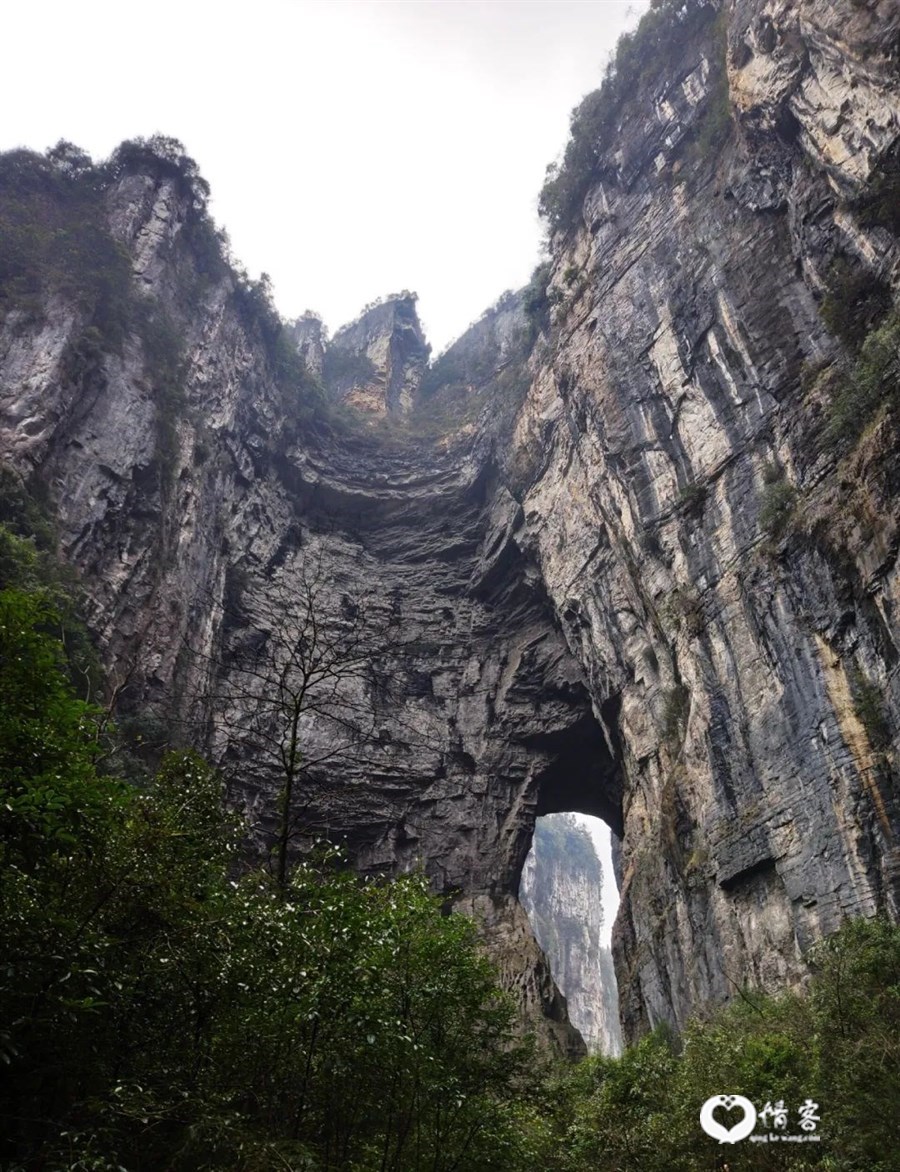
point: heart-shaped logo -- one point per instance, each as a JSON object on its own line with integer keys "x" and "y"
{"x": 726, "y": 1135}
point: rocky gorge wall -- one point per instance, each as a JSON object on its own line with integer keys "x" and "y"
{"x": 681, "y": 399}
{"x": 562, "y": 892}
{"x": 609, "y": 562}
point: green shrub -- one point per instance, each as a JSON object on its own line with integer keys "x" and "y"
{"x": 163, "y": 157}
{"x": 622, "y": 1111}
{"x": 54, "y": 239}
{"x": 46, "y": 743}
{"x": 838, "y": 1047}
{"x": 873, "y": 381}
{"x": 461, "y": 366}
{"x": 692, "y": 497}
{"x": 855, "y": 301}
{"x": 777, "y": 508}
{"x": 855, "y": 1001}
{"x": 535, "y": 301}
{"x": 683, "y": 607}
{"x": 29, "y": 563}
{"x": 879, "y": 205}
{"x": 162, "y": 1006}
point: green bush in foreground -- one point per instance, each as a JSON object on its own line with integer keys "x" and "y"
{"x": 838, "y": 1046}
{"x": 159, "y": 1009}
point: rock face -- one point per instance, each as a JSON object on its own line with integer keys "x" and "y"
{"x": 678, "y": 403}
{"x": 561, "y": 891}
{"x": 376, "y": 363}
{"x": 628, "y": 577}
{"x": 307, "y": 334}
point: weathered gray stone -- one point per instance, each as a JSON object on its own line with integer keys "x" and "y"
{"x": 585, "y": 612}
{"x": 561, "y": 891}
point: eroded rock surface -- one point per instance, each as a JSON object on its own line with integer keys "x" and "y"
{"x": 376, "y": 363}
{"x": 561, "y": 891}
{"x": 578, "y": 600}
{"x": 681, "y": 390}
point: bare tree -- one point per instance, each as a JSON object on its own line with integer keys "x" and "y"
{"x": 291, "y": 682}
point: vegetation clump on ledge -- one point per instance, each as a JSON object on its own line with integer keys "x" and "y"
{"x": 869, "y": 384}
{"x": 56, "y": 242}
{"x": 660, "y": 37}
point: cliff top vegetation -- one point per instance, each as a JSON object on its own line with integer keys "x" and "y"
{"x": 659, "y": 40}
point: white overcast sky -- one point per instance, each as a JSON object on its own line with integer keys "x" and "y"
{"x": 354, "y": 147}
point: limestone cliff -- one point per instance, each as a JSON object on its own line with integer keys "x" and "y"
{"x": 722, "y": 572}
{"x": 615, "y": 561}
{"x": 561, "y": 891}
{"x": 377, "y": 362}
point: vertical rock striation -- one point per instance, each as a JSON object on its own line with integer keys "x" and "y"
{"x": 617, "y": 561}
{"x": 721, "y": 571}
{"x": 376, "y": 363}
{"x": 561, "y": 891}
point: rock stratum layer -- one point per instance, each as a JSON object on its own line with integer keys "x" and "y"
{"x": 610, "y": 563}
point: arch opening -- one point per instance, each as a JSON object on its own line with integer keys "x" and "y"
{"x": 570, "y": 895}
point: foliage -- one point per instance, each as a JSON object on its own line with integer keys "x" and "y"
{"x": 28, "y": 563}
{"x": 26, "y": 534}
{"x": 485, "y": 368}
{"x": 297, "y": 651}
{"x": 619, "y": 1117}
{"x": 162, "y": 1007}
{"x": 839, "y": 1046}
{"x": 46, "y": 747}
{"x": 54, "y": 240}
{"x": 855, "y": 1002}
{"x": 302, "y": 396}
{"x": 879, "y": 205}
{"x": 163, "y": 349}
{"x": 461, "y": 366}
{"x": 560, "y": 836}
{"x": 868, "y": 702}
{"x": 345, "y": 368}
{"x": 660, "y": 37}
{"x": 778, "y": 503}
{"x": 873, "y": 381}
{"x": 159, "y": 1012}
{"x": 692, "y": 497}
{"x": 162, "y": 157}
{"x": 683, "y": 607}
{"x": 855, "y": 301}
{"x": 535, "y": 300}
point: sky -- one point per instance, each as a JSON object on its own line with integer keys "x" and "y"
{"x": 354, "y": 147}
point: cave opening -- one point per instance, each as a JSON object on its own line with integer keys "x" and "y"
{"x": 567, "y": 857}
{"x": 570, "y": 895}
{"x": 568, "y": 885}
